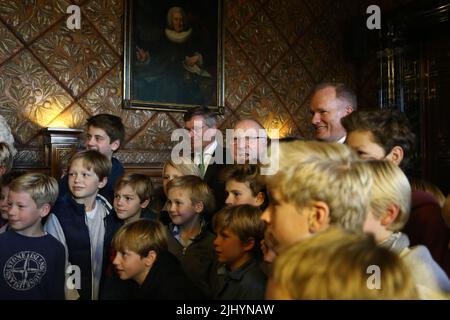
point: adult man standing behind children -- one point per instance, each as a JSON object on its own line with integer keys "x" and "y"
{"x": 329, "y": 104}
{"x": 105, "y": 133}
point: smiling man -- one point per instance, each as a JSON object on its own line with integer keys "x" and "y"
{"x": 330, "y": 103}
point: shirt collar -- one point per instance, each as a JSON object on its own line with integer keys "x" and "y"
{"x": 238, "y": 273}
{"x": 342, "y": 140}
{"x": 210, "y": 148}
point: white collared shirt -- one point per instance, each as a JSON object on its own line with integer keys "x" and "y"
{"x": 207, "y": 154}
{"x": 342, "y": 140}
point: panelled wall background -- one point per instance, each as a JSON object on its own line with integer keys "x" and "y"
{"x": 275, "y": 52}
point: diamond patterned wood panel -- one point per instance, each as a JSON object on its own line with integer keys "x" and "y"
{"x": 276, "y": 51}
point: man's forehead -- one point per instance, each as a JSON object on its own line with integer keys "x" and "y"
{"x": 198, "y": 120}
{"x": 249, "y": 133}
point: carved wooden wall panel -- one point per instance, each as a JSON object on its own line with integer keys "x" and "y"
{"x": 275, "y": 53}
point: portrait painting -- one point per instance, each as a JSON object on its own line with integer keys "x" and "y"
{"x": 173, "y": 55}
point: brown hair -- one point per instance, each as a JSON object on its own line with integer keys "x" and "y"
{"x": 141, "y": 236}
{"x": 210, "y": 116}
{"x": 140, "y": 183}
{"x": 388, "y": 128}
{"x": 249, "y": 174}
{"x": 92, "y": 159}
{"x": 112, "y": 125}
{"x": 243, "y": 220}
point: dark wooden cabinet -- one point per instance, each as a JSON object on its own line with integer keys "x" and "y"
{"x": 414, "y": 66}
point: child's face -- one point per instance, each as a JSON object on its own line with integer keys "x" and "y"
{"x": 285, "y": 222}
{"x": 230, "y": 250}
{"x": 240, "y": 193}
{"x": 23, "y": 215}
{"x": 169, "y": 174}
{"x": 83, "y": 183}
{"x": 363, "y": 143}
{"x": 130, "y": 265}
{"x": 98, "y": 139}
{"x": 181, "y": 208}
{"x": 127, "y": 203}
{"x": 4, "y": 202}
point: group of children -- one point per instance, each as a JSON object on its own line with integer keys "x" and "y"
{"x": 95, "y": 235}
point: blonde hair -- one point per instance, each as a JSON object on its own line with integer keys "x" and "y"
{"x": 334, "y": 264}
{"x": 140, "y": 183}
{"x": 199, "y": 191}
{"x": 426, "y": 186}
{"x": 343, "y": 185}
{"x": 390, "y": 186}
{"x": 92, "y": 159}
{"x": 6, "y": 156}
{"x": 244, "y": 221}
{"x": 42, "y": 188}
{"x": 185, "y": 165}
{"x": 291, "y": 153}
{"x": 141, "y": 236}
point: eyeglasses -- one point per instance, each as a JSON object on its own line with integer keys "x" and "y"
{"x": 237, "y": 140}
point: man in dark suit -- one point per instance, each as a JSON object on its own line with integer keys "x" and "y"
{"x": 208, "y": 152}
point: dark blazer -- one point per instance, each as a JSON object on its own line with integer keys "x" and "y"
{"x": 213, "y": 179}
{"x": 167, "y": 281}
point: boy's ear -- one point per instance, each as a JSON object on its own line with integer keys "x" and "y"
{"x": 260, "y": 197}
{"x": 150, "y": 259}
{"x": 250, "y": 244}
{"x": 145, "y": 203}
{"x": 391, "y": 214}
{"x": 44, "y": 210}
{"x": 103, "y": 182}
{"x": 319, "y": 217}
{"x": 2, "y": 170}
{"x": 199, "y": 207}
{"x": 396, "y": 155}
{"x": 115, "y": 145}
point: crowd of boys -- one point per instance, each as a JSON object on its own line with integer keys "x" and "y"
{"x": 223, "y": 231}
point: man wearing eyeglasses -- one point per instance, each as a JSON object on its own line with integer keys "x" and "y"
{"x": 249, "y": 141}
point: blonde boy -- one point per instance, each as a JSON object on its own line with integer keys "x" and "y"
{"x": 307, "y": 198}
{"x": 189, "y": 199}
{"x": 335, "y": 264}
{"x": 142, "y": 256}
{"x": 289, "y": 155}
{"x": 32, "y": 261}
{"x": 132, "y": 194}
{"x": 239, "y": 231}
{"x": 79, "y": 219}
{"x": 390, "y": 205}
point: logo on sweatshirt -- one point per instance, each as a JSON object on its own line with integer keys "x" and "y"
{"x": 24, "y": 270}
